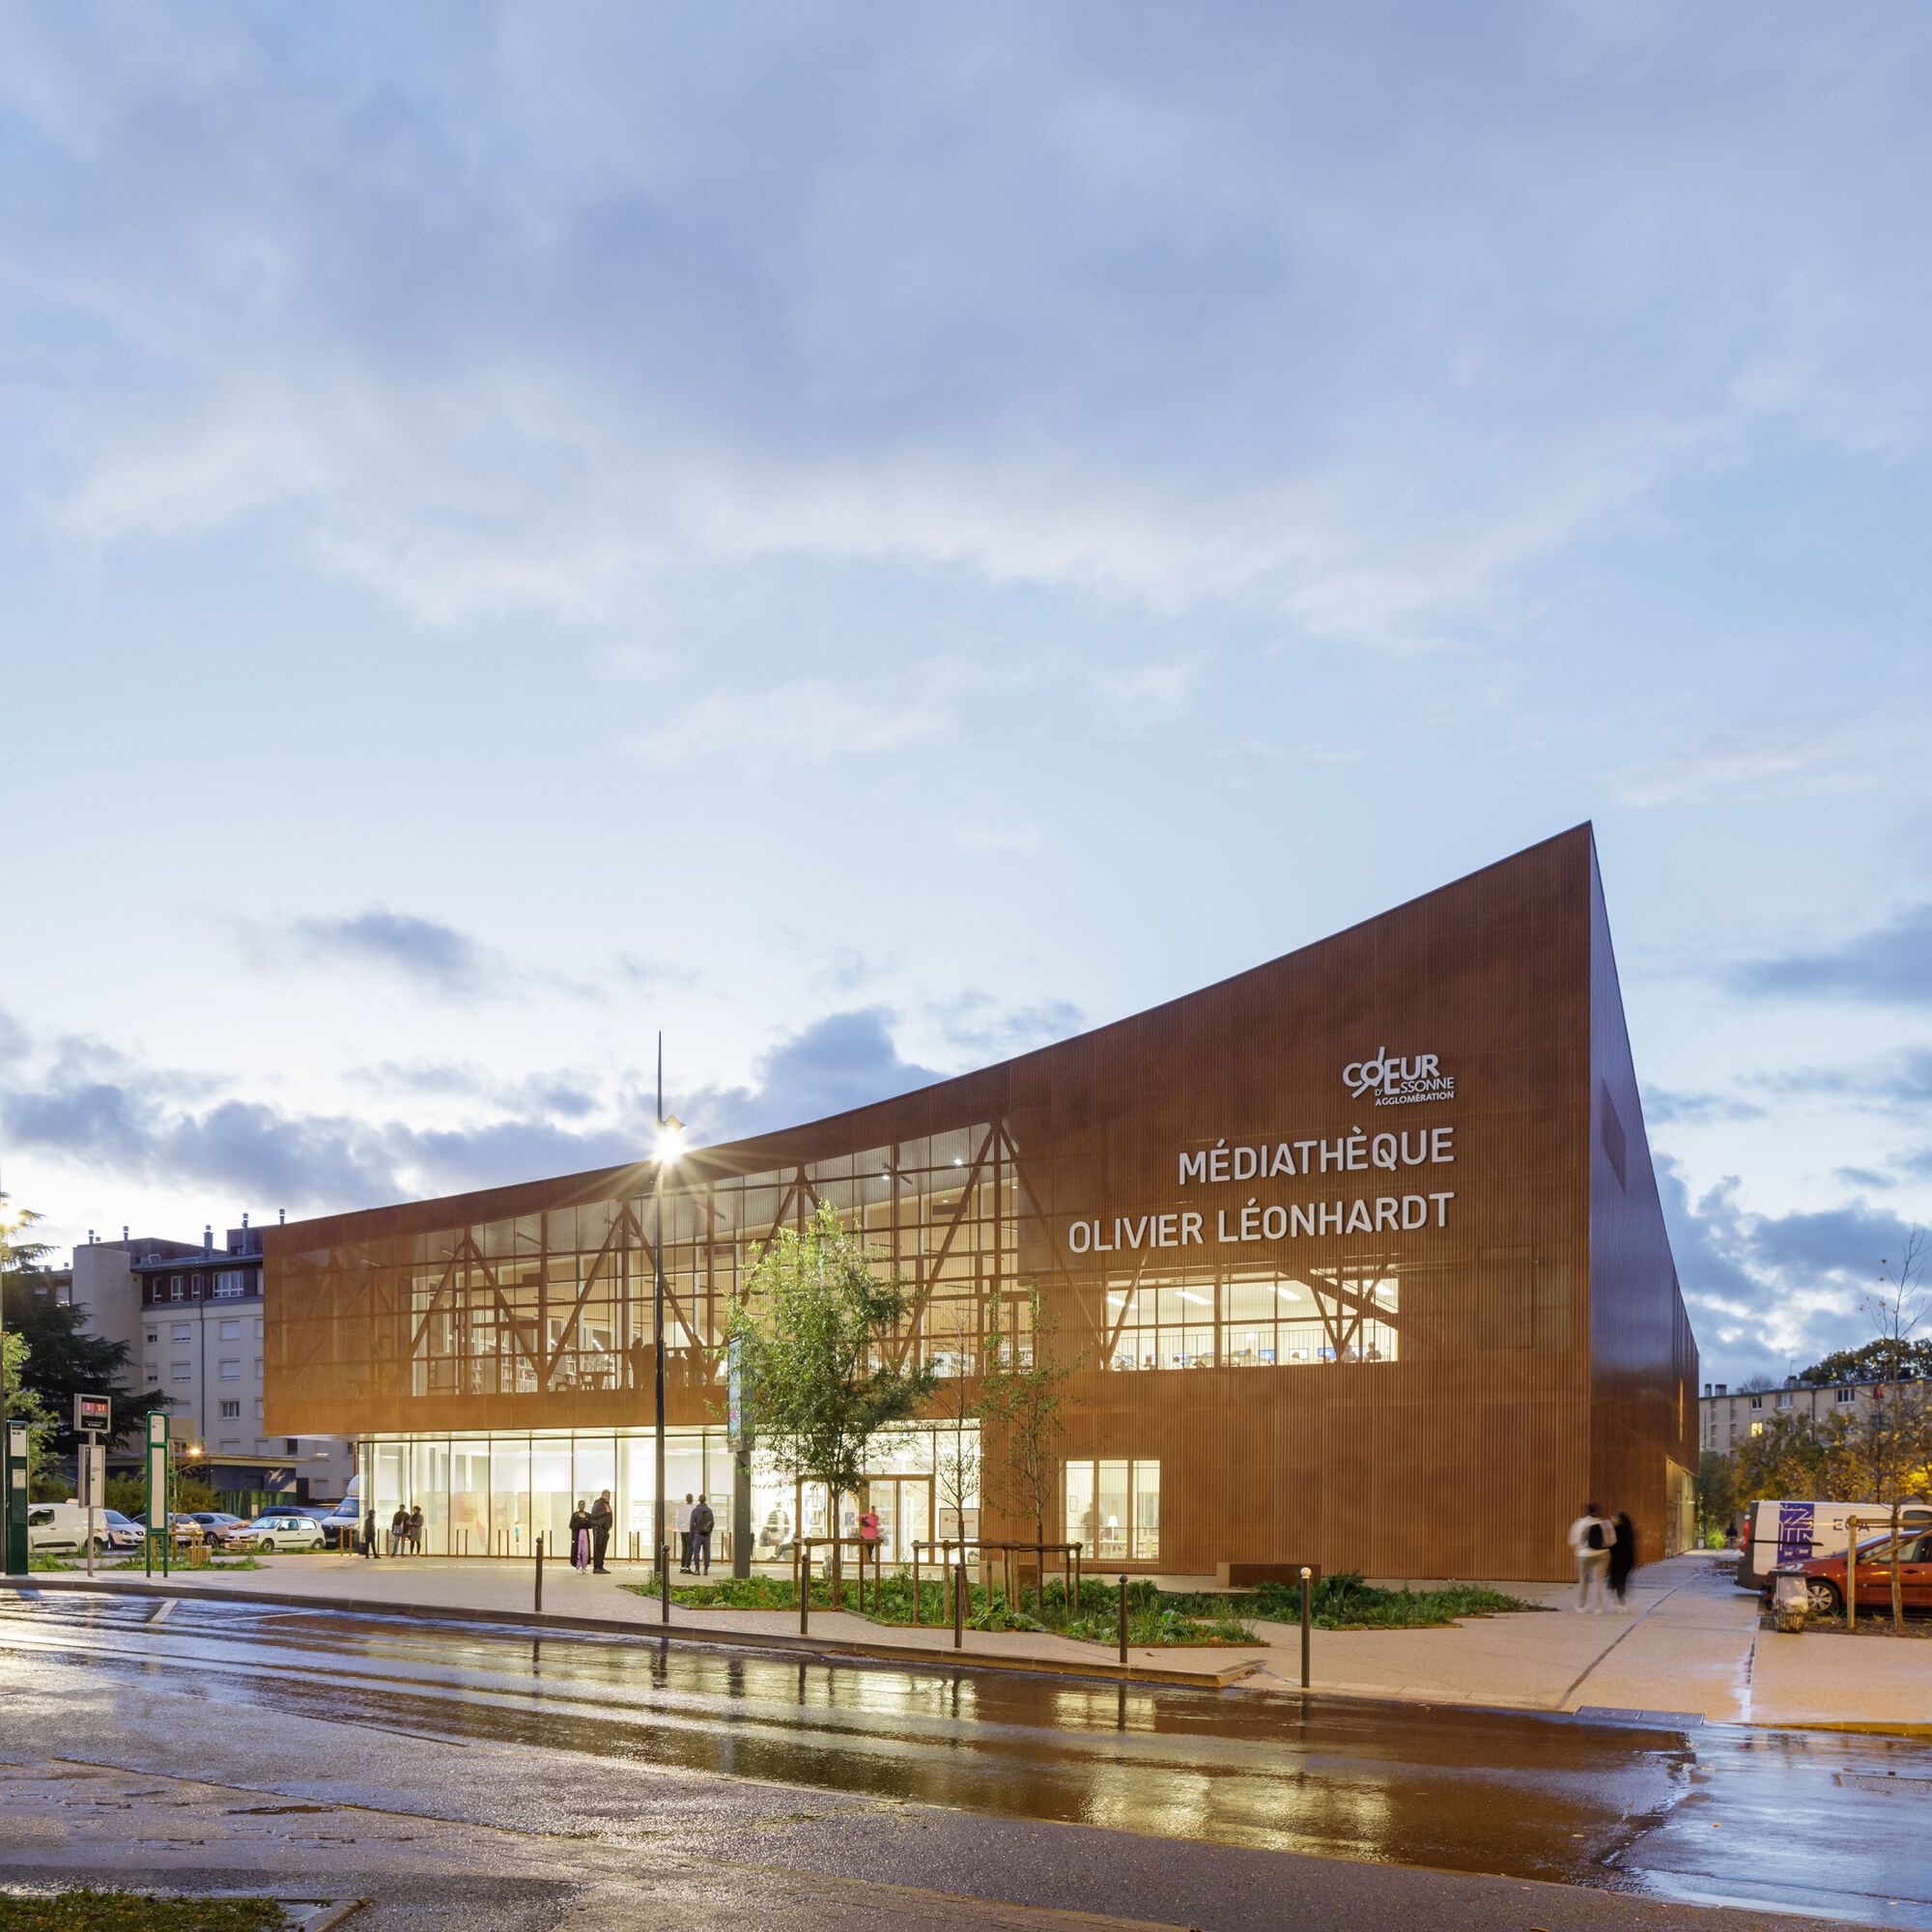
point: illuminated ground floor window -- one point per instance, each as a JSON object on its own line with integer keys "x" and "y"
{"x": 495, "y": 1495}
{"x": 1113, "y": 1509}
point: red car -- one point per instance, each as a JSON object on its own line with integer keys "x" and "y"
{"x": 1824, "y": 1576}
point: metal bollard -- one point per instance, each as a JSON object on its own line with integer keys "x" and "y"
{"x": 540, "y": 1543}
{"x": 1123, "y": 1622}
{"x": 1306, "y": 1574}
{"x": 664, "y": 1582}
{"x": 959, "y": 1590}
{"x": 805, "y": 1595}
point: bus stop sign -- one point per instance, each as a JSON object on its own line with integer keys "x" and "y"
{"x": 93, "y": 1411}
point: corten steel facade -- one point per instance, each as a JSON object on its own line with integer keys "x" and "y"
{"x": 1403, "y": 1328}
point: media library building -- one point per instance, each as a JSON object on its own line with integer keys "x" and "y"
{"x": 1358, "y": 1258}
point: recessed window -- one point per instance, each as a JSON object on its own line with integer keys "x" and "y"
{"x": 230, "y": 1371}
{"x": 231, "y": 1443}
{"x": 1757, "y": 1429}
{"x": 1113, "y": 1509}
{"x": 183, "y": 1372}
{"x": 182, "y": 1333}
{"x": 231, "y": 1411}
{"x": 153, "y": 1337}
{"x": 230, "y": 1283}
{"x": 1757, "y": 1401}
{"x": 231, "y": 1332}
{"x": 1848, "y": 1394}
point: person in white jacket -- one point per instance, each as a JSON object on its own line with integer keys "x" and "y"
{"x": 684, "y": 1534}
{"x": 1590, "y": 1543}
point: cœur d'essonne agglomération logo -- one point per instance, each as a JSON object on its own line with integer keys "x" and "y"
{"x": 1399, "y": 1082}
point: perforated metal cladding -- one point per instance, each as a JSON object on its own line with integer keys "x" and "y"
{"x": 1460, "y": 1439}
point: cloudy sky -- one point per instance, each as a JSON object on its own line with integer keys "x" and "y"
{"x": 872, "y": 541}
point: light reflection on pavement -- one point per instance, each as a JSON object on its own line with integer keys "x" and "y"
{"x": 1807, "y": 1821}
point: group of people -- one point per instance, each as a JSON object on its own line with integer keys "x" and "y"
{"x": 406, "y": 1532}
{"x": 590, "y": 1535}
{"x": 1605, "y": 1552}
{"x": 696, "y": 1521}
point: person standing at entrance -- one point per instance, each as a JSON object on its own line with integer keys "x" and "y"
{"x": 1623, "y": 1556}
{"x": 599, "y": 1531}
{"x": 370, "y": 1546}
{"x": 399, "y": 1529}
{"x": 702, "y": 1524}
{"x": 416, "y": 1529}
{"x": 1590, "y": 1545}
{"x": 684, "y": 1532}
{"x": 580, "y": 1539}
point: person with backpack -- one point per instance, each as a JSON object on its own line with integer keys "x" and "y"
{"x": 702, "y": 1523}
{"x": 1590, "y": 1543}
{"x": 399, "y": 1530}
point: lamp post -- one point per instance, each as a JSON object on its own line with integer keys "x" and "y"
{"x": 670, "y": 1135}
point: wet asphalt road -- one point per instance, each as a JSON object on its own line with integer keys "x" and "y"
{"x": 1826, "y": 1825}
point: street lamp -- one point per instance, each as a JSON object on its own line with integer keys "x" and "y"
{"x": 670, "y": 1142}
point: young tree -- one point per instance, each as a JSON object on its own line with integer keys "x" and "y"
{"x": 812, "y": 1332}
{"x": 956, "y": 1476}
{"x": 1886, "y": 1448}
{"x": 1715, "y": 1494}
{"x": 1022, "y": 1391}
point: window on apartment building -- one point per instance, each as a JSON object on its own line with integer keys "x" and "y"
{"x": 231, "y": 1411}
{"x": 154, "y": 1375}
{"x": 1847, "y": 1394}
{"x": 154, "y": 1336}
{"x": 230, "y": 1371}
{"x": 232, "y": 1444}
{"x": 322, "y": 1454}
{"x": 175, "y": 1286}
{"x": 1785, "y": 1399}
{"x": 258, "y": 1409}
{"x": 183, "y": 1371}
{"x": 1757, "y": 1403}
{"x": 258, "y": 1331}
{"x": 258, "y": 1368}
{"x": 182, "y": 1333}
{"x": 1757, "y": 1429}
{"x": 231, "y": 1332}
{"x": 290, "y": 1447}
{"x": 230, "y": 1283}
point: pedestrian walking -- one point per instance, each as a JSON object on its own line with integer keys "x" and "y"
{"x": 684, "y": 1510}
{"x": 868, "y": 1542}
{"x": 1590, "y": 1545}
{"x": 1623, "y": 1556}
{"x": 369, "y": 1539}
{"x": 580, "y": 1539}
{"x": 416, "y": 1529}
{"x": 399, "y": 1530}
{"x": 599, "y": 1531}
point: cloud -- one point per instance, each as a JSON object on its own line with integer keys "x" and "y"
{"x": 539, "y": 314}
{"x": 996, "y": 837}
{"x": 1662, "y": 1105}
{"x": 1811, "y": 754}
{"x": 811, "y": 718}
{"x": 1149, "y": 693}
{"x": 425, "y": 951}
{"x": 844, "y": 1061}
{"x": 976, "y": 1022}
{"x": 1772, "y": 1293}
{"x": 1887, "y": 965}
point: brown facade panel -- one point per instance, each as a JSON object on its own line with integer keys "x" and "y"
{"x": 1401, "y": 1338}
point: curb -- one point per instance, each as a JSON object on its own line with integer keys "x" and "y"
{"x": 922, "y": 1656}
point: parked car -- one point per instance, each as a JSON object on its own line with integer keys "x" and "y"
{"x": 1824, "y": 1576}
{"x": 1783, "y": 1535}
{"x": 219, "y": 1526}
{"x": 282, "y": 1529}
{"x": 122, "y": 1532}
{"x": 343, "y": 1525}
{"x": 61, "y": 1526}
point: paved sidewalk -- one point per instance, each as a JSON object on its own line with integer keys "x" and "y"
{"x": 1688, "y": 1645}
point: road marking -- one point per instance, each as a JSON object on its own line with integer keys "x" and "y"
{"x": 165, "y": 1612}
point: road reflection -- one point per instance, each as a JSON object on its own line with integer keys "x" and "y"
{"x": 1477, "y": 1791}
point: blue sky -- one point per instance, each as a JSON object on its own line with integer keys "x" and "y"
{"x": 873, "y": 542}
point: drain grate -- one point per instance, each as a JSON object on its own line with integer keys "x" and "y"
{"x": 1886, "y": 1782}
{"x": 1650, "y": 1721}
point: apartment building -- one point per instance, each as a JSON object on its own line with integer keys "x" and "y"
{"x": 191, "y": 1315}
{"x": 1725, "y": 1419}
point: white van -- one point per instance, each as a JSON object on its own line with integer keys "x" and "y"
{"x": 63, "y": 1526}
{"x": 1781, "y": 1535}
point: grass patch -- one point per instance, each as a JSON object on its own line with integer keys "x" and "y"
{"x": 85, "y": 1910}
{"x": 1155, "y": 1617}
